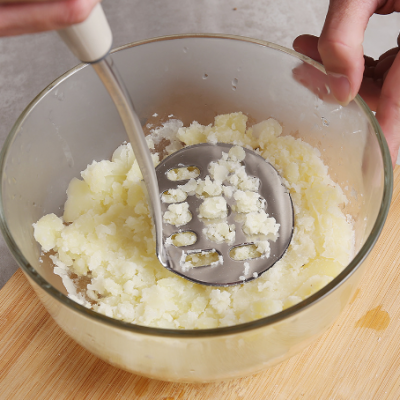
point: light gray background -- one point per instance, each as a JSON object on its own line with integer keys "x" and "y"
{"x": 30, "y": 63}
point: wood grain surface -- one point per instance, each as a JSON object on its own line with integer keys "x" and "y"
{"x": 358, "y": 358}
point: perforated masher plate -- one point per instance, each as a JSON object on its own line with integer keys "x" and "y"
{"x": 229, "y": 271}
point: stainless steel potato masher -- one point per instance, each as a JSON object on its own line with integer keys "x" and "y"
{"x": 91, "y": 42}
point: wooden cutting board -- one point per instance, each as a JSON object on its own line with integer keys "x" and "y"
{"x": 358, "y": 358}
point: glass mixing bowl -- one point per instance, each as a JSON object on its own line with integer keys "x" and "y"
{"x": 194, "y": 77}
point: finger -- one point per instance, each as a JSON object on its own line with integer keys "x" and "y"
{"x": 307, "y": 45}
{"x": 314, "y": 80}
{"x": 388, "y": 53}
{"x": 340, "y": 46}
{"x": 383, "y": 66}
{"x": 370, "y": 92}
{"x": 388, "y": 111}
{"x": 16, "y": 19}
{"x": 369, "y": 72}
{"x": 369, "y": 61}
{"x": 25, "y": 1}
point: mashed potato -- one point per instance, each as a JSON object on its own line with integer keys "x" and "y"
{"x": 106, "y": 235}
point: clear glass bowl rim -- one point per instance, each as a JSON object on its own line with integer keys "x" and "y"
{"x": 229, "y": 330}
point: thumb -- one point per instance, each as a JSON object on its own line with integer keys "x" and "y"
{"x": 340, "y": 46}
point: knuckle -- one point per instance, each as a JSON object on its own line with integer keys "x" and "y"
{"x": 326, "y": 46}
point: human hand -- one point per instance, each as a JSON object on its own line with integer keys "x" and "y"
{"x": 340, "y": 50}
{"x": 18, "y": 17}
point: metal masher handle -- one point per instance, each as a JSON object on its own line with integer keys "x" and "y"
{"x": 91, "y": 42}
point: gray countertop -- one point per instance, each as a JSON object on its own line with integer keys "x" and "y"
{"x": 30, "y": 63}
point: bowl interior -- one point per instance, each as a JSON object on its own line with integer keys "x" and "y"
{"x": 73, "y": 122}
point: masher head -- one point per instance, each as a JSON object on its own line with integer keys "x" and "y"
{"x": 204, "y": 258}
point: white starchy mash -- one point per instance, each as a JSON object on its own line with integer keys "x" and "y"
{"x": 259, "y": 223}
{"x": 258, "y": 249}
{"x": 182, "y": 239}
{"x": 180, "y": 174}
{"x": 106, "y": 235}
{"x": 213, "y": 208}
{"x": 178, "y": 214}
{"x": 220, "y": 232}
{"x": 247, "y": 202}
{"x": 207, "y": 187}
{"x": 256, "y": 223}
{"x": 174, "y": 196}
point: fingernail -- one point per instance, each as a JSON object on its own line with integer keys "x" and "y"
{"x": 340, "y": 87}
